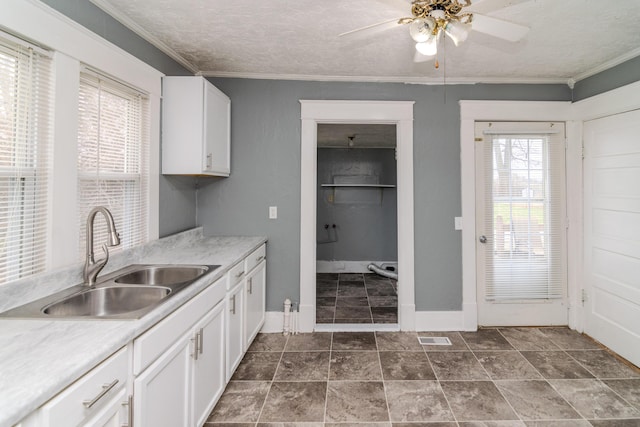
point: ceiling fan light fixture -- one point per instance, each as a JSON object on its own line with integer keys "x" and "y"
{"x": 428, "y": 48}
{"x": 457, "y": 31}
{"x": 422, "y": 29}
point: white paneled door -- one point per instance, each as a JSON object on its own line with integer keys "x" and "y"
{"x": 612, "y": 232}
{"x": 521, "y": 224}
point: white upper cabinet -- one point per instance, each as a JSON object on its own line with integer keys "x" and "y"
{"x": 196, "y": 127}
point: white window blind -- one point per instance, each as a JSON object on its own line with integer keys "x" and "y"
{"x": 113, "y": 145}
{"x": 25, "y": 159}
{"x": 524, "y": 214}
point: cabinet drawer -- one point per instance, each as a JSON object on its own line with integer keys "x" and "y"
{"x": 255, "y": 258}
{"x": 87, "y": 396}
{"x": 150, "y": 345}
{"x": 236, "y": 274}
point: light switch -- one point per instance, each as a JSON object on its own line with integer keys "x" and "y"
{"x": 457, "y": 221}
{"x": 273, "y": 212}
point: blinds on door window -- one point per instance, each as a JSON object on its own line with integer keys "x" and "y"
{"x": 25, "y": 158}
{"x": 113, "y": 145}
{"x": 524, "y": 212}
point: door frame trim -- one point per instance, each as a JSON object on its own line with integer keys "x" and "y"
{"x": 399, "y": 113}
{"x": 472, "y": 111}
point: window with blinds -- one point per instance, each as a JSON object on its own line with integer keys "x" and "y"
{"x": 524, "y": 214}
{"x": 113, "y": 144}
{"x": 25, "y": 158}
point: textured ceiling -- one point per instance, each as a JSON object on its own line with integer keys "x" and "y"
{"x": 298, "y": 39}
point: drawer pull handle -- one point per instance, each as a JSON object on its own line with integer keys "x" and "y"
{"x": 195, "y": 342}
{"x": 105, "y": 389}
{"x": 260, "y": 258}
{"x": 239, "y": 275}
{"x": 129, "y": 405}
{"x": 250, "y": 286}
{"x": 233, "y": 304}
{"x": 201, "y": 340}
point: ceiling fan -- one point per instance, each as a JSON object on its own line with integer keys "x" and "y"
{"x": 455, "y": 18}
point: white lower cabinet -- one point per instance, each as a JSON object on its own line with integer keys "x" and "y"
{"x": 99, "y": 398}
{"x": 255, "y": 302}
{"x": 235, "y": 327}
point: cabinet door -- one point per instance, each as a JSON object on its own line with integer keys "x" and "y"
{"x": 255, "y": 302}
{"x": 217, "y": 113}
{"x": 234, "y": 317}
{"x": 208, "y": 379}
{"x": 161, "y": 392}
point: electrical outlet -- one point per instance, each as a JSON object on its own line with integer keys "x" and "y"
{"x": 273, "y": 212}
{"x": 457, "y": 223}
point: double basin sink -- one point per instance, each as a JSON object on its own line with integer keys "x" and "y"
{"x": 128, "y": 293}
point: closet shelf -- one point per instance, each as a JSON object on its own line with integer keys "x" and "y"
{"x": 360, "y": 185}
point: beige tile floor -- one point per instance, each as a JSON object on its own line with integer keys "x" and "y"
{"x": 543, "y": 377}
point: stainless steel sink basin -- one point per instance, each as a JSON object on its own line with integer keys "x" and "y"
{"x": 128, "y": 293}
{"x": 162, "y": 275}
{"x": 107, "y": 301}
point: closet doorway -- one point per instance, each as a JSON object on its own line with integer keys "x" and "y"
{"x": 400, "y": 115}
{"x": 356, "y": 224}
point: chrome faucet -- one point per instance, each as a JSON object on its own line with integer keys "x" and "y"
{"x": 91, "y": 267}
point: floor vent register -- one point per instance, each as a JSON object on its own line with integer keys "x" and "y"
{"x": 434, "y": 340}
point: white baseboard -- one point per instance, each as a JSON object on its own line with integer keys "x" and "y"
{"x": 440, "y": 321}
{"x": 349, "y": 266}
{"x": 432, "y": 321}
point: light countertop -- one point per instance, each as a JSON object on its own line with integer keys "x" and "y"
{"x": 39, "y": 358}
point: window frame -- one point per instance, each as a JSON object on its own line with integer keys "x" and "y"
{"x": 73, "y": 46}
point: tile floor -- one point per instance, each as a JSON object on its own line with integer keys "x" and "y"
{"x": 526, "y": 377}
{"x": 355, "y": 298}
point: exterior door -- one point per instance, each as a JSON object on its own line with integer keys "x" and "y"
{"x": 521, "y": 224}
{"x": 612, "y": 232}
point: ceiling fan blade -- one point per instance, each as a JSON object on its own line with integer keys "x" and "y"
{"x": 373, "y": 28}
{"x": 419, "y": 58}
{"x": 498, "y": 28}
{"x": 488, "y": 6}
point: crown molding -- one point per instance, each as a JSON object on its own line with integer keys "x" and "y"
{"x": 607, "y": 65}
{"x": 133, "y": 26}
{"x": 386, "y": 79}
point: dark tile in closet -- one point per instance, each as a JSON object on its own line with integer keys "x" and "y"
{"x": 556, "y": 364}
{"x": 353, "y": 312}
{"x": 352, "y": 302}
{"x": 327, "y": 284}
{"x": 325, "y": 312}
{"x": 603, "y": 365}
{"x": 405, "y": 365}
{"x": 594, "y": 400}
{"x": 373, "y": 279}
{"x": 354, "y": 341}
{"x": 326, "y": 301}
{"x": 567, "y": 339}
{"x": 257, "y": 366}
{"x": 351, "y": 321}
{"x": 456, "y": 365}
{"x": 352, "y": 291}
{"x": 351, "y": 277}
{"x": 355, "y": 365}
{"x": 384, "y": 314}
{"x": 380, "y": 291}
{"x": 536, "y": 400}
{"x": 295, "y": 402}
{"x": 303, "y": 366}
{"x": 330, "y": 292}
{"x": 385, "y": 301}
{"x": 268, "y": 342}
{"x": 527, "y": 339}
{"x": 398, "y": 341}
{"x": 327, "y": 276}
{"x": 477, "y": 401}
{"x": 506, "y": 365}
{"x": 486, "y": 339}
{"x": 240, "y": 402}
{"x": 417, "y": 401}
{"x": 315, "y": 341}
{"x": 357, "y": 401}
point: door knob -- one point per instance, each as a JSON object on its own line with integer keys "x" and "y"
{"x": 483, "y": 239}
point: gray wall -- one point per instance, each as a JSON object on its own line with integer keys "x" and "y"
{"x": 265, "y": 171}
{"x": 620, "y": 75}
{"x": 177, "y": 194}
{"x": 365, "y": 218}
